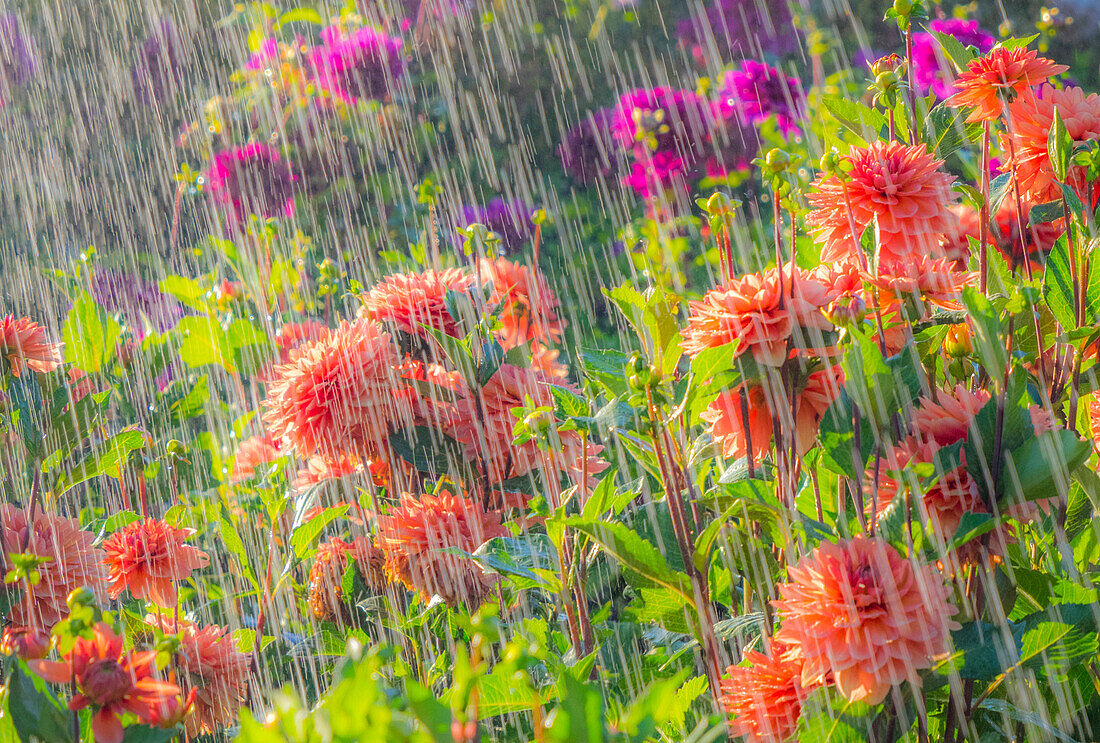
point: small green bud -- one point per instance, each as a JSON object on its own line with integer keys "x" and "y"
{"x": 80, "y": 597}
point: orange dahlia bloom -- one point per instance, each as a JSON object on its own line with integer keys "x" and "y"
{"x": 340, "y": 395}
{"x": 902, "y": 186}
{"x": 25, "y": 643}
{"x": 726, "y": 419}
{"x": 326, "y": 575}
{"x": 148, "y": 557}
{"x": 253, "y": 452}
{"x": 74, "y": 563}
{"x": 765, "y": 697}
{"x": 1031, "y": 116}
{"x": 861, "y": 612}
{"x": 413, "y": 535}
{"x": 1001, "y": 74}
{"x": 411, "y": 301}
{"x": 761, "y": 312}
{"x": 23, "y": 342}
{"x": 484, "y": 425}
{"x": 215, "y": 670}
{"x": 528, "y": 308}
{"x": 1038, "y": 239}
{"x": 907, "y": 291}
{"x": 318, "y": 469}
{"x": 113, "y": 682}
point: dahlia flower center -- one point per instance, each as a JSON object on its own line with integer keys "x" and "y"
{"x": 106, "y": 681}
{"x": 866, "y": 597}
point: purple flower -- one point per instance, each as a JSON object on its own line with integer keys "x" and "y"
{"x": 18, "y": 53}
{"x": 511, "y": 220}
{"x": 262, "y": 58}
{"x": 658, "y": 173}
{"x": 160, "y": 65}
{"x": 652, "y": 120}
{"x": 758, "y": 91}
{"x": 931, "y": 69}
{"x": 738, "y": 29}
{"x": 136, "y": 299}
{"x": 252, "y": 179}
{"x": 365, "y": 64}
{"x": 587, "y": 153}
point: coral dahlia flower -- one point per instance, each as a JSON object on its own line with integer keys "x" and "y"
{"x": 74, "y": 563}
{"x": 1001, "y": 74}
{"x": 113, "y": 682}
{"x": 24, "y": 344}
{"x": 1031, "y": 118}
{"x": 861, "y": 612}
{"x": 900, "y": 185}
{"x": 765, "y": 697}
{"x": 760, "y": 311}
{"x": 148, "y": 557}
{"x": 252, "y": 453}
{"x": 340, "y": 395}
{"x": 413, "y": 535}
{"x": 25, "y": 643}
{"x": 326, "y": 575}
{"x": 528, "y": 307}
{"x": 215, "y": 670}
{"x": 411, "y": 301}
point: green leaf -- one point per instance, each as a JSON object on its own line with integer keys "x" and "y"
{"x": 90, "y": 335}
{"x": 714, "y": 360}
{"x": 233, "y": 542}
{"x": 187, "y": 291}
{"x": 146, "y": 734}
{"x": 35, "y": 711}
{"x": 635, "y": 553}
{"x": 1043, "y": 213}
{"x": 303, "y": 537}
{"x": 705, "y": 541}
{"x": 1058, "y": 288}
{"x": 861, "y": 120}
{"x": 301, "y": 15}
{"x": 988, "y": 343}
{"x": 427, "y": 449}
{"x": 955, "y": 50}
{"x": 998, "y": 190}
{"x": 830, "y": 718}
{"x": 1059, "y": 147}
{"x": 1035, "y": 469}
{"x": 108, "y": 459}
{"x": 431, "y": 713}
{"x": 203, "y": 341}
{"x": 26, "y": 401}
{"x": 945, "y": 129}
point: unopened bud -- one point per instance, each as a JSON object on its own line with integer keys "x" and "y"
{"x": 959, "y": 341}
{"x": 777, "y": 160}
{"x": 847, "y": 310}
{"x": 888, "y": 63}
{"x": 81, "y": 597}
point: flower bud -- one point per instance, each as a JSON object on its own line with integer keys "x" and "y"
{"x": 887, "y": 81}
{"x": 81, "y": 597}
{"x": 959, "y": 341}
{"x": 829, "y": 162}
{"x": 26, "y": 643}
{"x": 847, "y": 310}
{"x": 903, "y": 7}
{"x": 777, "y": 160}
{"x": 888, "y": 63}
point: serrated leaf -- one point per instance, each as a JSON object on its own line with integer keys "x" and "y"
{"x": 90, "y": 335}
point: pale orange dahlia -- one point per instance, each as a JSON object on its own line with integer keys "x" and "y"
{"x": 25, "y": 345}
{"x": 326, "y": 575}
{"x": 216, "y": 671}
{"x": 1038, "y": 239}
{"x": 74, "y": 563}
{"x": 1032, "y": 116}
{"x": 761, "y": 312}
{"x": 318, "y": 469}
{"x": 411, "y": 301}
{"x": 765, "y": 697}
{"x": 413, "y": 535}
{"x": 906, "y": 292}
{"x": 865, "y": 616}
{"x": 1001, "y": 74}
{"x": 340, "y": 395}
{"x": 528, "y": 307}
{"x": 253, "y": 452}
{"x": 902, "y": 186}
{"x": 149, "y": 557}
{"x": 484, "y": 425}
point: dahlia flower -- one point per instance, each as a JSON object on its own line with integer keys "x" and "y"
{"x": 253, "y": 452}
{"x": 588, "y": 153}
{"x": 902, "y": 186}
{"x": 931, "y": 69}
{"x": 340, "y": 395}
{"x": 362, "y": 64}
{"x": 1002, "y": 73}
{"x": 136, "y": 300}
{"x": 326, "y": 575}
{"x": 765, "y": 697}
{"x": 113, "y": 682}
{"x": 25, "y": 643}
{"x": 663, "y": 120}
{"x": 758, "y": 91}
{"x": 24, "y": 344}
{"x": 413, "y": 535}
{"x": 510, "y": 220}
{"x": 528, "y": 307}
{"x": 215, "y": 670}
{"x": 761, "y": 311}
{"x": 252, "y": 179}
{"x": 411, "y": 301}
{"x": 1031, "y": 118}
{"x": 863, "y": 615}
{"x": 74, "y": 563}
{"x": 318, "y": 469}
{"x": 148, "y": 557}
{"x": 1038, "y": 239}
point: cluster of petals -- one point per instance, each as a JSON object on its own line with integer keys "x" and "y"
{"x": 216, "y": 671}
{"x": 761, "y": 406}
{"x": 906, "y": 292}
{"x": 339, "y": 395}
{"x": 25, "y": 345}
{"x": 900, "y": 186}
{"x": 361, "y": 64}
{"x": 765, "y": 697}
{"x": 252, "y": 179}
{"x": 114, "y": 682}
{"x": 528, "y": 308}
{"x": 412, "y": 301}
{"x": 254, "y": 452}
{"x": 1032, "y": 115}
{"x": 415, "y": 534}
{"x": 319, "y": 469}
{"x": 1036, "y": 241}
{"x": 73, "y": 563}
{"x": 1001, "y": 74}
{"x": 763, "y": 311}
{"x": 326, "y": 599}
{"x": 758, "y": 91}
{"x": 149, "y": 557}
{"x": 865, "y": 616}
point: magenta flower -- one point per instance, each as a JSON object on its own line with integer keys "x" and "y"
{"x": 758, "y": 91}
{"x": 252, "y": 179}
{"x": 931, "y": 70}
{"x": 363, "y": 64}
